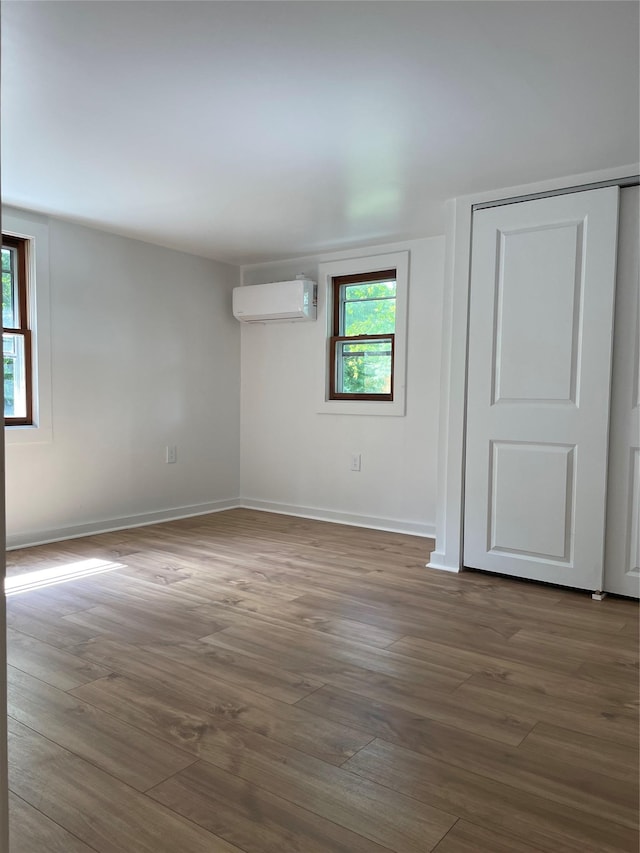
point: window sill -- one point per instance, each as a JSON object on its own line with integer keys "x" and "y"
{"x": 362, "y": 407}
{"x": 15, "y": 434}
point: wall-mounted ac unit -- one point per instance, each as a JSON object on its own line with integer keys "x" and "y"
{"x": 278, "y": 302}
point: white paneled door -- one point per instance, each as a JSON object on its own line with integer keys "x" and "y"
{"x": 539, "y": 374}
{"x": 622, "y": 563}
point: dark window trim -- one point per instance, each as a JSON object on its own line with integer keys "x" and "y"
{"x": 336, "y": 285}
{"x": 21, "y": 245}
{"x": 359, "y": 278}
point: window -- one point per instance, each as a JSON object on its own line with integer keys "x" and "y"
{"x": 16, "y": 335}
{"x": 363, "y": 336}
{"x": 350, "y": 316}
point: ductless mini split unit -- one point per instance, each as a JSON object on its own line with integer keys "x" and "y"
{"x": 277, "y": 302}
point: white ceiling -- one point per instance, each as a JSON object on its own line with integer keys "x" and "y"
{"x": 248, "y": 131}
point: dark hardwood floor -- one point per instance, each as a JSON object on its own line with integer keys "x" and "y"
{"x": 260, "y": 683}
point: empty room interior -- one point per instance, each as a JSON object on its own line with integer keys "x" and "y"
{"x": 322, "y": 433}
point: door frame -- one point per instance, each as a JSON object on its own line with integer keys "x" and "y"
{"x": 449, "y": 555}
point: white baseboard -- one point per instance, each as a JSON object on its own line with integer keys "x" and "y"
{"x": 76, "y": 531}
{"x": 393, "y": 525}
{"x": 437, "y": 562}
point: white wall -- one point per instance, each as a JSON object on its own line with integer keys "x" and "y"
{"x": 295, "y": 459}
{"x": 144, "y": 353}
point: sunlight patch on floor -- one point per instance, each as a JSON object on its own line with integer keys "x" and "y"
{"x": 58, "y": 574}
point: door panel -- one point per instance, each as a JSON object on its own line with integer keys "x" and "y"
{"x": 539, "y": 367}
{"x": 538, "y": 287}
{"x": 524, "y": 475}
{"x": 622, "y": 565}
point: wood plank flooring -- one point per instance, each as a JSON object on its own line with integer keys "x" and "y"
{"x": 253, "y": 683}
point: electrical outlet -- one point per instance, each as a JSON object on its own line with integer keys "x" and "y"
{"x": 356, "y": 461}
{"x": 172, "y": 454}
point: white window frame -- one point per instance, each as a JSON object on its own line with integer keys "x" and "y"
{"x": 35, "y": 229}
{"x": 355, "y": 266}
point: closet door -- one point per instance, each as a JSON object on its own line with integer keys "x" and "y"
{"x": 539, "y": 372}
{"x": 622, "y": 564}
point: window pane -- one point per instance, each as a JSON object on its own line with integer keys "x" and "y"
{"x": 378, "y": 290}
{"x": 369, "y": 309}
{"x": 363, "y": 367}
{"x": 6, "y": 259}
{"x": 377, "y": 317}
{"x": 9, "y": 302}
{"x": 15, "y": 389}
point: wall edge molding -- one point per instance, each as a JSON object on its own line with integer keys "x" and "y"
{"x": 438, "y": 561}
{"x": 392, "y": 525}
{"x": 110, "y": 525}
